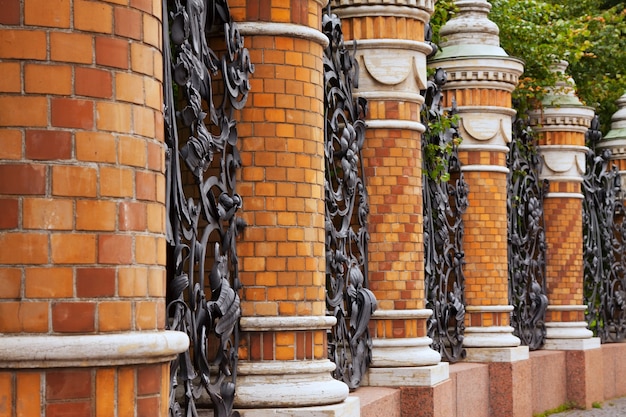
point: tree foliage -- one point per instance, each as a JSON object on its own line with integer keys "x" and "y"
{"x": 589, "y": 34}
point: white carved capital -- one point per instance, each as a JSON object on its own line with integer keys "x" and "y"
{"x": 391, "y": 69}
{"x": 485, "y": 126}
{"x": 563, "y": 162}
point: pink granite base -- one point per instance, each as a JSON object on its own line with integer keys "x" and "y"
{"x": 435, "y": 401}
{"x": 378, "y": 401}
{"x": 510, "y": 389}
{"x": 585, "y": 372}
{"x": 614, "y": 364}
{"x": 549, "y": 380}
{"x": 471, "y": 389}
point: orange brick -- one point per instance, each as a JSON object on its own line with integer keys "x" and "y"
{"x": 16, "y": 317}
{"x": 127, "y": 22}
{"x": 95, "y": 146}
{"x": 11, "y": 81}
{"x": 156, "y": 217}
{"x": 114, "y": 316}
{"x": 144, "y": 121}
{"x": 23, "y": 111}
{"x": 105, "y": 392}
{"x": 156, "y": 282}
{"x": 151, "y": 30}
{"x": 126, "y": 392}
{"x": 116, "y": 182}
{"x": 28, "y": 387}
{"x": 26, "y": 248}
{"x": 23, "y": 44}
{"x": 48, "y": 214}
{"x": 154, "y": 93}
{"x": 133, "y": 282}
{"x": 73, "y": 248}
{"x": 145, "y": 250}
{"x": 72, "y": 113}
{"x": 11, "y": 279}
{"x": 115, "y": 117}
{"x": 115, "y": 249}
{"x": 49, "y": 283}
{"x": 75, "y": 181}
{"x": 10, "y": 143}
{"x": 145, "y": 315}
{"x": 129, "y": 87}
{"x": 71, "y": 47}
{"x": 84, "y": 12}
{"x": 95, "y": 215}
{"x": 47, "y": 13}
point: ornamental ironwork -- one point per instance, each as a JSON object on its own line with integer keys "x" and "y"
{"x": 347, "y": 209}
{"x": 526, "y": 237}
{"x": 445, "y": 200}
{"x": 202, "y": 88}
{"x": 604, "y": 243}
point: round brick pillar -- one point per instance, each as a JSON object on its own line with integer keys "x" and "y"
{"x": 481, "y": 78}
{"x": 82, "y": 188}
{"x": 561, "y": 124}
{"x": 284, "y": 359}
{"x": 391, "y": 54}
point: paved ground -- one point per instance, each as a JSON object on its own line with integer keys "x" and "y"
{"x": 610, "y": 408}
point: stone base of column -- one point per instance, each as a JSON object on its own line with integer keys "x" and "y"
{"x": 417, "y": 376}
{"x": 404, "y": 361}
{"x": 571, "y": 333}
{"x": 493, "y": 344}
{"x": 350, "y": 407}
{"x": 281, "y": 384}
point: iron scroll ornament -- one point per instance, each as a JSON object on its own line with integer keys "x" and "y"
{"x": 445, "y": 200}
{"x": 526, "y": 237}
{"x": 604, "y": 243}
{"x": 202, "y": 223}
{"x": 347, "y": 208}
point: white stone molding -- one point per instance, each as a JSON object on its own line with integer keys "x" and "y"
{"x": 423, "y": 313}
{"x": 500, "y": 73}
{"x": 277, "y": 384}
{"x": 392, "y": 69}
{"x": 289, "y": 30}
{"x": 618, "y": 121}
{"x": 563, "y": 162}
{"x": 490, "y": 336}
{"x": 485, "y": 128}
{"x": 395, "y": 124}
{"x": 404, "y": 361}
{"x": 403, "y": 352}
{"x": 371, "y": 9}
{"x": 419, "y": 376}
{"x": 485, "y": 168}
{"x": 569, "y": 335}
{"x": 579, "y": 196}
{"x": 561, "y": 119}
{"x": 284, "y": 323}
{"x": 426, "y": 6}
{"x": 501, "y": 354}
{"x": 73, "y": 351}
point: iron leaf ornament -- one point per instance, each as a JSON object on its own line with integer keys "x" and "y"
{"x": 347, "y": 209}
{"x": 202, "y": 89}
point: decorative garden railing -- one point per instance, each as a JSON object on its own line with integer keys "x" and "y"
{"x": 604, "y": 241}
{"x": 202, "y": 203}
{"x": 445, "y": 200}
{"x": 526, "y": 238}
{"x": 347, "y": 209}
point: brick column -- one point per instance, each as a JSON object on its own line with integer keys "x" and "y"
{"x": 284, "y": 360}
{"x": 391, "y": 53}
{"x": 481, "y": 77}
{"x": 82, "y": 245}
{"x": 561, "y": 124}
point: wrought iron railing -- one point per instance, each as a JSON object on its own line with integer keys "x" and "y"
{"x": 604, "y": 242}
{"x": 526, "y": 237}
{"x": 347, "y": 209}
{"x": 202, "y": 88}
{"x": 445, "y": 200}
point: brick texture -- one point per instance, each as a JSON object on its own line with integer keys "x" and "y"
{"x": 81, "y": 171}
